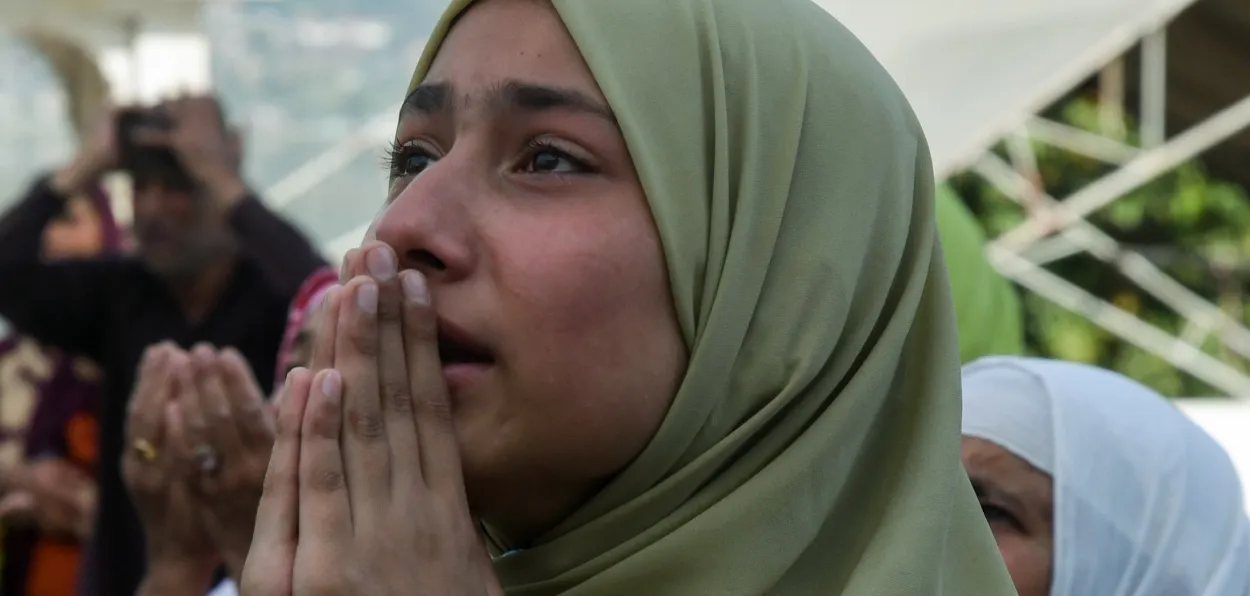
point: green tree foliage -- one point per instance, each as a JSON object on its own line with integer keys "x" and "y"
{"x": 1192, "y": 226}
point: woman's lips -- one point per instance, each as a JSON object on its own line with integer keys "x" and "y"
{"x": 465, "y": 360}
{"x": 461, "y": 376}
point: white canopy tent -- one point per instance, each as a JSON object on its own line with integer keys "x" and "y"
{"x": 977, "y": 72}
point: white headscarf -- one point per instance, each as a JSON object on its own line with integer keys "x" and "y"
{"x": 1146, "y": 503}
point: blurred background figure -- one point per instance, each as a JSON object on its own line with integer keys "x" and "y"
{"x": 216, "y": 519}
{"x": 986, "y": 304}
{"x": 211, "y": 264}
{"x": 49, "y": 442}
{"x": 1094, "y": 484}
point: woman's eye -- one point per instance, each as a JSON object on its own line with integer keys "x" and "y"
{"x": 997, "y": 515}
{"x": 552, "y": 161}
{"x": 410, "y": 161}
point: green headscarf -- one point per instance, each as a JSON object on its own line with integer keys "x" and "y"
{"x": 986, "y": 305}
{"x": 813, "y": 447}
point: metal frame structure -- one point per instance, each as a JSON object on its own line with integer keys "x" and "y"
{"x": 1056, "y": 228}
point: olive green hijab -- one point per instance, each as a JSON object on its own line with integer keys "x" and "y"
{"x": 813, "y": 447}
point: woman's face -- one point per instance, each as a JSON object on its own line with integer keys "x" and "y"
{"x": 512, "y": 190}
{"x": 1017, "y": 502}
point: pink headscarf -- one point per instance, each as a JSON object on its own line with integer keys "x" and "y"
{"x": 308, "y": 297}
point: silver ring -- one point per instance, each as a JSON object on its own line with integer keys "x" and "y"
{"x": 207, "y": 461}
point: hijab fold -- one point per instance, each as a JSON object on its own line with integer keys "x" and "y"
{"x": 813, "y": 447}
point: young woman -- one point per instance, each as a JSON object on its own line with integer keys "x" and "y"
{"x": 656, "y": 306}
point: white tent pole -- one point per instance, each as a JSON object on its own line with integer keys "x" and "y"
{"x": 1154, "y": 88}
{"x": 1080, "y": 142}
{"x": 1149, "y": 165}
{"x": 1111, "y": 90}
{"x": 304, "y": 178}
{"x": 1147, "y": 337}
{"x": 1134, "y": 266}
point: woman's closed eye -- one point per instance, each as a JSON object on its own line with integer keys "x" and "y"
{"x": 997, "y": 516}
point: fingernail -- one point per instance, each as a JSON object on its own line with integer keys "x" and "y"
{"x": 381, "y": 263}
{"x": 344, "y": 273}
{"x": 331, "y": 299}
{"x": 367, "y": 298}
{"x": 414, "y": 287}
{"x": 332, "y": 385}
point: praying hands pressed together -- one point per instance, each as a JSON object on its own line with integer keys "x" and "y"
{"x": 364, "y": 492}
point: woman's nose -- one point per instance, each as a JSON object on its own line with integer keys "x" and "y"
{"x": 430, "y": 229}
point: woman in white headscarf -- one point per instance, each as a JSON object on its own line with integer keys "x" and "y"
{"x": 1096, "y": 486}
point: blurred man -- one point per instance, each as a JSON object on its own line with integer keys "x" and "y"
{"x": 212, "y": 265}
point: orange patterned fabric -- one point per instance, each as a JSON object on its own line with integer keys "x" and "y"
{"x": 53, "y": 569}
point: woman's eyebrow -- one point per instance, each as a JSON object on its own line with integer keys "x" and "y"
{"x": 435, "y": 98}
{"x": 428, "y": 99}
{"x": 529, "y": 97}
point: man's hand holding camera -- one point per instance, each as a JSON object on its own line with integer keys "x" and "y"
{"x": 206, "y": 148}
{"x": 97, "y": 156}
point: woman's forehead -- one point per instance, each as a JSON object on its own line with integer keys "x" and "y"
{"x": 496, "y": 42}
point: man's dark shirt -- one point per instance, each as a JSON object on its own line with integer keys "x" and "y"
{"x": 110, "y": 310}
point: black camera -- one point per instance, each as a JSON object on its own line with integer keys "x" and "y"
{"x": 148, "y": 164}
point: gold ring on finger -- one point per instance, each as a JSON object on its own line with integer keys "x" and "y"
{"x": 146, "y": 451}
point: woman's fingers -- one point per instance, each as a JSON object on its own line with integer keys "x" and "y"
{"x": 272, "y": 554}
{"x": 325, "y": 509}
{"x": 366, "y": 454}
{"x": 215, "y": 405}
{"x": 177, "y": 450}
{"x": 253, "y": 421}
{"x": 323, "y": 344}
{"x": 353, "y": 265}
{"x": 143, "y": 425}
{"x": 396, "y": 391}
{"x": 440, "y": 452}
{"x": 193, "y": 420}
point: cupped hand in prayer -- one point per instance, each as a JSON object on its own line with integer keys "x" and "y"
{"x": 229, "y": 435}
{"x": 178, "y": 544}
